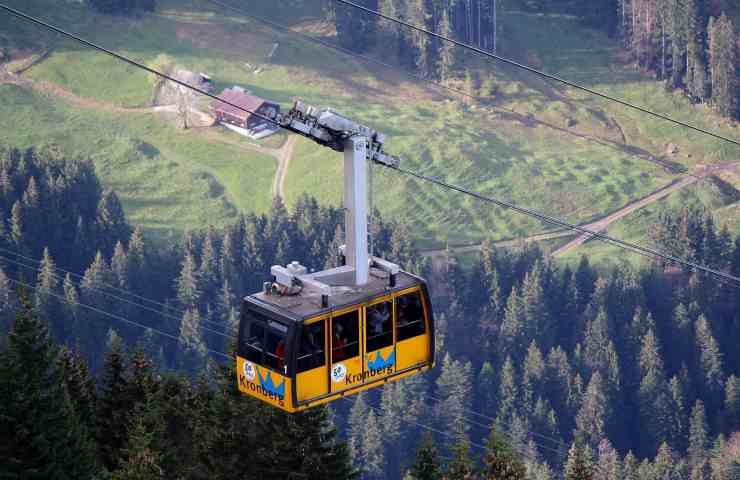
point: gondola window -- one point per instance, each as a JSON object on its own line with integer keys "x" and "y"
{"x": 379, "y": 327}
{"x": 345, "y": 336}
{"x": 311, "y": 352}
{"x": 410, "y": 316}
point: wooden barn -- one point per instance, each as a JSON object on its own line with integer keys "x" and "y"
{"x": 229, "y": 115}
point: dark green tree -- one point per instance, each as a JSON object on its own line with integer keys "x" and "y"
{"x": 41, "y": 435}
{"x": 426, "y": 464}
{"x": 501, "y": 462}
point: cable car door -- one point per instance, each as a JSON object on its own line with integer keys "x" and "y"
{"x": 346, "y": 358}
{"x": 312, "y": 379}
{"x": 380, "y": 349}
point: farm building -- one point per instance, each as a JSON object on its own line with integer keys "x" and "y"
{"x": 240, "y": 121}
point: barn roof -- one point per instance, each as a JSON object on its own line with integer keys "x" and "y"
{"x": 240, "y": 98}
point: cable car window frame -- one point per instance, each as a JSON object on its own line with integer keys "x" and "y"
{"x": 356, "y": 343}
{"x": 371, "y": 346}
{"x": 269, "y": 326}
{"x": 421, "y": 321}
{"x": 321, "y": 353}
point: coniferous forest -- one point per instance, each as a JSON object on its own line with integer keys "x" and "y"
{"x": 689, "y": 44}
{"x": 542, "y": 371}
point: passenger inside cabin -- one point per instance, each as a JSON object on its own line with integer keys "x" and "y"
{"x": 280, "y": 354}
{"x": 379, "y": 316}
{"x": 339, "y": 341}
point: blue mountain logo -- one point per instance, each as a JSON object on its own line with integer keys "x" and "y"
{"x": 380, "y": 363}
{"x": 270, "y": 386}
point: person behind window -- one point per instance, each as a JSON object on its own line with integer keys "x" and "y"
{"x": 379, "y": 315}
{"x": 280, "y": 354}
{"x": 338, "y": 343}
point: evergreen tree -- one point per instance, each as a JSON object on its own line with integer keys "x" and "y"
{"x": 732, "y": 404}
{"x": 41, "y": 435}
{"x": 372, "y": 447}
{"x": 501, "y": 462}
{"x": 446, "y": 60}
{"x": 112, "y": 416}
{"x": 426, "y": 464}
{"x": 654, "y": 398}
{"x": 593, "y": 416}
{"x": 508, "y": 393}
{"x": 723, "y": 61}
{"x": 579, "y": 464}
{"x": 139, "y": 460}
{"x": 710, "y": 362}
{"x": 460, "y": 467}
{"x": 188, "y": 283}
{"x": 356, "y": 426}
{"x": 454, "y": 388}
{"x": 608, "y": 465}
{"x": 698, "y": 436}
{"x": 631, "y": 467}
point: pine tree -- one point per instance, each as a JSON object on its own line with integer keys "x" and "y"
{"x": 512, "y": 328}
{"x": 460, "y": 467}
{"x": 631, "y": 467}
{"x": 710, "y": 362}
{"x": 487, "y": 387}
{"x": 372, "y": 447}
{"x": 532, "y": 377}
{"x": 139, "y": 459}
{"x": 112, "y": 417}
{"x": 41, "y": 436}
{"x": 723, "y": 58}
{"x": 654, "y": 398}
{"x": 356, "y": 426}
{"x": 192, "y": 346}
{"x": 47, "y": 283}
{"x": 608, "y": 465}
{"x": 593, "y": 416}
{"x": 426, "y": 464}
{"x": 446, "y": 60}
{"x": 188, "y": 283}
{"x": 120, "y": 266}
{"x": 508, "y": 393}
{"x": 698, "y": 436}
{"x": 501, "y": 462}
{"x": 579, "y": 464}
{"x": 454, "y": 388}
{"x": 732, "y": 404}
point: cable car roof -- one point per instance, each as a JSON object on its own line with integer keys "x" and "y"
{"x": 307, "y": 303}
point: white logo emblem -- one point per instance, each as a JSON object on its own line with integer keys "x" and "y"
{"x": 249, "y": 371}
{"x": 338, "y": 372}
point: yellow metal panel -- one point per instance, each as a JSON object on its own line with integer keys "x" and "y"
{"x": 412, "y": 351}
{"x": 363, "y": 387}
{"x": 263, "y": 384}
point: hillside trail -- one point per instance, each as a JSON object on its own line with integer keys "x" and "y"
{"x": 283, "y": 161}
{"x": 438, "y": 256}
{"x": 602, "y": 224}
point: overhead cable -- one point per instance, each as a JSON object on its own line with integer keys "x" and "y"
{"x": 536, "y": 71}
{"x": 368, "y": 58}
{"x": 124, "y": 300}
{"x": 118, "y": 317}
{"x": 645, "y": 251}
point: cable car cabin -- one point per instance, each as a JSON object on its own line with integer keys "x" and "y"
{"x": 294, "y": 353}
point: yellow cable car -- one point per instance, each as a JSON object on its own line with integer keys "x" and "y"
{"x": 294, "y": 353}
{"x": 310, "y": 338}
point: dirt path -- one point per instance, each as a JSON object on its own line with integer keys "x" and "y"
{"x": 283, "y": 161}
{"x": 602, "y": 224}
{"x": 438, "y": 255}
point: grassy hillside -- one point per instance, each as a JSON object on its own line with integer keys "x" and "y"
{"x": 532, "y": 142}
{"x": 167, "y": 178}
